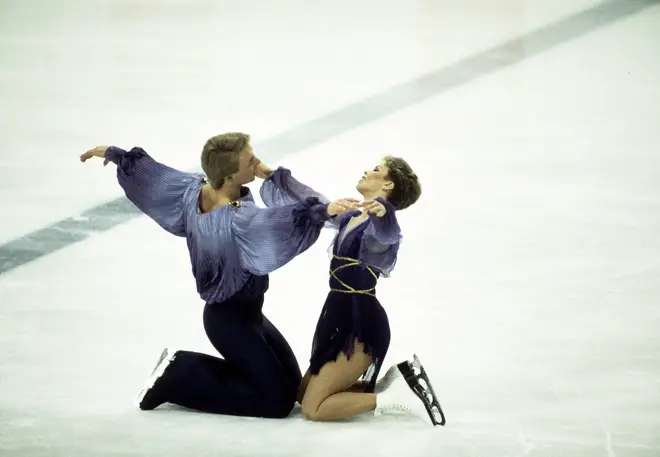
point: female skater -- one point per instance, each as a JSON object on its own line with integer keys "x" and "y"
{"x": 353, "y": 333}
{"x": 233, "y": 245}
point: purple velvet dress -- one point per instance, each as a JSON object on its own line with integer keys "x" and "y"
{"x": 360, "y": 255}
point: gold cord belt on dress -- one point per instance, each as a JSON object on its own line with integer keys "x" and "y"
{"x": 350, "y": 290}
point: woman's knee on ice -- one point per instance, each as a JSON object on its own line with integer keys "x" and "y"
{"x": 310, "y": 406}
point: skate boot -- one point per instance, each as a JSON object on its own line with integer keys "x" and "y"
{"x": 406, "y": 388}
{"x": 150, "y": 397}
{"x": 391, "y": 374}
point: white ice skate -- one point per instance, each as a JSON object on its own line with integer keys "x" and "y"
{"x": 164, "y": 360}
{"x": 407, "y": 388}
{"x": 384, "y": 382}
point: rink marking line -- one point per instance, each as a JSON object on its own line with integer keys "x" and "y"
{"x": 106, "y": 216}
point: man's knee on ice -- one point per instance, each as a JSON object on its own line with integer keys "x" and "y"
{"x": 278, "y": 403}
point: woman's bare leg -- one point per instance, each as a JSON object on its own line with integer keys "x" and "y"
{"x": 326, "y": 397}
{"x": 303, "y": 387}
{"x": 357, "y": 387}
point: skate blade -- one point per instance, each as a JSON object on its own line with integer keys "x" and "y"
{"x": 420, "y": 383}
{"x": 166, "y": 357}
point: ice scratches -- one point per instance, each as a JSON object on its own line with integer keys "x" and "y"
{"x": 527, "y": 447}
{"x": 608, "y": 444}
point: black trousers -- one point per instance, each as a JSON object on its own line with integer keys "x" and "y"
{"x": 258, "y": 376}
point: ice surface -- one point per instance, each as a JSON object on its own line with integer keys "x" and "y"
{"x": 528, "y": 280}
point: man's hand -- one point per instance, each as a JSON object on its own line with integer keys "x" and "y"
{"x": 374, "y": 207}
{"x": 261, "y": 170}
{"x": 342, "y": 205}
{"x": 98, "y": 151}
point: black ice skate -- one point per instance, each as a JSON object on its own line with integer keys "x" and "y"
{"x": 419, "y": 382}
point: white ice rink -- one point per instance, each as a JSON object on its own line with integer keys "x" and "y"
{"x": 529, "y": 276}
